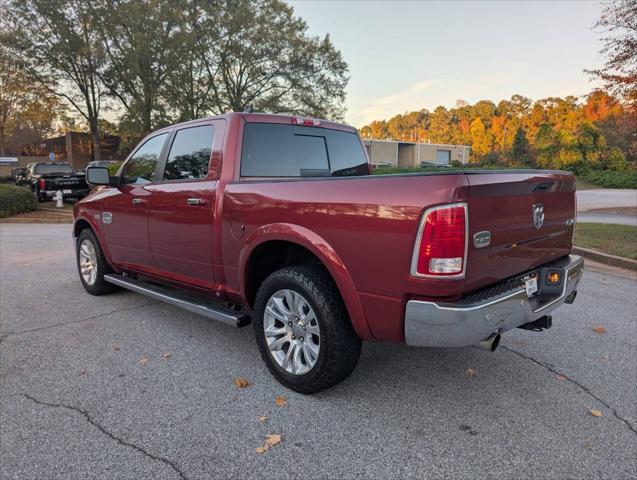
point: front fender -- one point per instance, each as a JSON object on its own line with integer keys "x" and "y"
{"x": 93, "y": 219}
{"x": 324, "y": 252}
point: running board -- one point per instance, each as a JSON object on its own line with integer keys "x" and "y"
{"x": 199, "y": 306}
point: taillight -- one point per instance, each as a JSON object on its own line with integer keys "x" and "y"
{"x": 42, "y": 183}
{"x": 441, "y": 244}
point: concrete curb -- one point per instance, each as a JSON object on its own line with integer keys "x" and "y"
{"x": 612, "y": 260}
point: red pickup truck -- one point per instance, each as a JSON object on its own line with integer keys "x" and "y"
{"x": 276, "y": 220}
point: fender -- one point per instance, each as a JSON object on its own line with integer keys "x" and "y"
{"x": 83, "y": 214}
{"x": 324, "y": 252}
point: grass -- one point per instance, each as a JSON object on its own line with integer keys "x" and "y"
{"x": 620, "y": 240}
{"x": 583, "y": 184}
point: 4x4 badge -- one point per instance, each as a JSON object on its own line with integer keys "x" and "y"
{"x": 538, "y": 215}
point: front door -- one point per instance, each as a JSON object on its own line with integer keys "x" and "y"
{"x": 182, "y": 205}
{"x": 125, "y": 213}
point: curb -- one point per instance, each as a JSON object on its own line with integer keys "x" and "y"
{"x": 605, "y": 258}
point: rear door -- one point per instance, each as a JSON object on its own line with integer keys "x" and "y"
{"x": 124, "y": 217}
{"x": 181, "y": 211}
{"x": 529, "y": 217}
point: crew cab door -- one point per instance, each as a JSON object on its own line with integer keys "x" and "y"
{"x": 124, "y": 217}
{"x": 182, "y": 205}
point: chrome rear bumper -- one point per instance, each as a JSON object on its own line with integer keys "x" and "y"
{"x": 492, "y": 310}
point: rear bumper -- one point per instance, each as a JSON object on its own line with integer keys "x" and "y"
{"x": 69, "y": 193}
{"x": 496, "y": 309}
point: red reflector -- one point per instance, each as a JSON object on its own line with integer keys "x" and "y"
{"x": 442, "y": 243}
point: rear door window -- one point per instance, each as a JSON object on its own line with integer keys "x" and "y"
{"x": 277, "y": 150}
{"x": 190, "y": 153}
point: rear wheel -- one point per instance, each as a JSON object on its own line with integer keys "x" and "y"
{"x": 92, "y": 265}
{"x": 303, "y": 331}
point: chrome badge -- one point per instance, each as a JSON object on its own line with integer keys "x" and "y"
{"x": 482, "y": 239}
{"x": 538, "y": 215}
{"x": 107, "y": 217}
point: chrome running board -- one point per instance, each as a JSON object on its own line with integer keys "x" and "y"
{"x": 191, "y": 303}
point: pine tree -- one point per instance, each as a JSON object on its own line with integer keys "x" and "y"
{"x": 521, "y": 151}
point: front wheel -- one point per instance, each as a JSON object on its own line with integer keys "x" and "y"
{"x": 92, "y": 265}
{"x": 303, "y": 331}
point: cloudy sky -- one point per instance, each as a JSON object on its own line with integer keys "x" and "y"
{"x": 407, "y": 55}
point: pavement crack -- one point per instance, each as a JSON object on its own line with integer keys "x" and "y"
{"x": 582, "y": 387}
{"x": 5, "y": 334}
{"x": 103, "y": 430}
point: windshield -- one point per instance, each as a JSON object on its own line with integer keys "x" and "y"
{"x": 49, "y": 168}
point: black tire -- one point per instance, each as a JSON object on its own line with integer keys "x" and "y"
{"x": 340, "y": 346}
{"x": 99, "y": 286}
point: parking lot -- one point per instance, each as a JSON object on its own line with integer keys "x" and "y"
{"x": 123, "y": 387}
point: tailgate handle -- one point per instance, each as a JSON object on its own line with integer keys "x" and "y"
{"x": 196, "y": 201}
{"x": 138, "y": 201}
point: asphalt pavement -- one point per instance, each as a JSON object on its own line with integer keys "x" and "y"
{"x": 123, "y": 387}
{"x": 605, "y": 198}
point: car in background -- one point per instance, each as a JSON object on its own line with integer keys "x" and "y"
{"x": 18, "y": 175}
{"x": 425, "y": 164}
{"x": 45, "y": 179}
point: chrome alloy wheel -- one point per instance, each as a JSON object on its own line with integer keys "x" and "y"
{"x": 291, "y": 332}
{"x": 88, "y": 262}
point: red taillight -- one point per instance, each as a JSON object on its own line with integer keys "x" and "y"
{"x": 41, "y": 183}
{"x": 441, "y": 244}
{"x": 312, "y": 122}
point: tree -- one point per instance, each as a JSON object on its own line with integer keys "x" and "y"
{"x": 266, "y": 60}
{"x": 521, "y": 150}
{"x": 27, "y": 110}
{"x": 619, "y": 72}
{"x": 143, "y": 45}
{"x": 481, "y": 145}
{"x": 616, "y": 160}
{"x": 56, "y": 39}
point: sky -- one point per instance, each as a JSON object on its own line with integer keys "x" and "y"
{"x": 408, "y": 55}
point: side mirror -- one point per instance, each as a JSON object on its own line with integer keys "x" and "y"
{"x": 98, "y": 176}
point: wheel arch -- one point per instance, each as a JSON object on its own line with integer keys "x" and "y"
{"x": 82, "y": 223}
{"x": 280, "y": 245}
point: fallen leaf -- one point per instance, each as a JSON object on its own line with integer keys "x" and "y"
{"x": 240, "y": 382}
{"x": 167, "y": 355}
{"x": 599, "y": 329}
{"x": 560, "y": 378}
{"x": 280, "y": 401}
{"x": 115, "y": 348}
{"x": 143, "y": 360}
{"x": 83, "y": 371}
{"x": 595, "y": 413}
{"x": 605, "y": 357}
{"x": 262, "y": 449}
{"x": 470, "y": 372}
{"x": 262, "y": 418}
{"x": 271, "y": 440}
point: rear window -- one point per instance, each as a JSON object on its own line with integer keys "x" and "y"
{"x": 277, "y": 150}
{"x": 49, "y": 168}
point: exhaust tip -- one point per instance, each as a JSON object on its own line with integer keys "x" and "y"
{"x": 490, "y": 344}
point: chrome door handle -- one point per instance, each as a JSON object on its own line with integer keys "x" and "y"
{"x": 196, "y": 201}
{"x": 138, "y": 201}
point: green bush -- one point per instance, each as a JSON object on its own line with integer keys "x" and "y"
{"x": 612, "y": 179}
{"x": 14, "y": 200}
{"x": 616, "y": 160}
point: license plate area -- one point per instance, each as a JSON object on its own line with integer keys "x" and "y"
{"x": 530, "y": 285}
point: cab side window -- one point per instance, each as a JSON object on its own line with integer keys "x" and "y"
{"x": 141, "y": 167}
{"x": 190, "y": 153}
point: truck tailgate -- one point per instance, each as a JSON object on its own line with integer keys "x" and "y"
{"x": 503, "y": 204}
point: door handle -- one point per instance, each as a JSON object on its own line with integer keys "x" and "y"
{"x": 138, "y": 201}
{"x": 196, "y": 201}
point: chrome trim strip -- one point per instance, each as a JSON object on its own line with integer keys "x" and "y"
{"x": 235, "y": 320}
{"x": 421, "y": 227}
